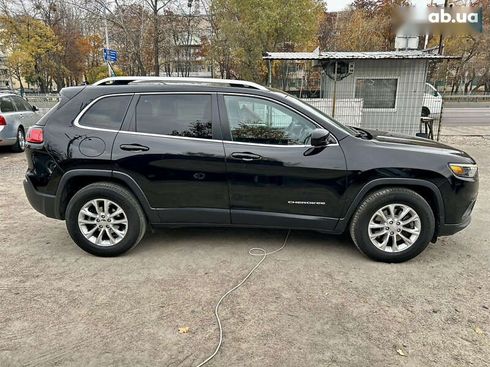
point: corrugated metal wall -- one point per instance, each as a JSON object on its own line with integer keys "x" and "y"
{"x": 405, "y": 116}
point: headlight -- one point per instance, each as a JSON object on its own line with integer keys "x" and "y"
{"x": 463, "y": 170}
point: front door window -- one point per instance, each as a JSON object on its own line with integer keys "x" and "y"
{"x": 255, "y": 120}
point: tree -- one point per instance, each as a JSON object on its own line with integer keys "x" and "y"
{"x": 368, "y": 25}
{"x": 100, "y": 72}
{"x": 246, "y": 29}
{"x": 156, "y": 6}
{"x": 33, "y": 47}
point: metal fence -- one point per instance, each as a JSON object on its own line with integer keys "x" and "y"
{"x": 44, "y": 102}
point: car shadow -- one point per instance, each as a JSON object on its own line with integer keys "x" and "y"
{"x": 270, "y": 239}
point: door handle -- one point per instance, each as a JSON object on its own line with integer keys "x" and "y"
{"x": 134, "y": 147}
{"x": 246, "y": 156}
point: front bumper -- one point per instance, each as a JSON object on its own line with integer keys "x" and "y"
{"x": 450, "y": 229}
{"x": 43, "y": 203}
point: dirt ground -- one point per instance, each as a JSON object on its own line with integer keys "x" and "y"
{"x": 318, "y": 302}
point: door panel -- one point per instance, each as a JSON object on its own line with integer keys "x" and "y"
{"x": 183, "y": 177}
{"x": 278, "y": 184}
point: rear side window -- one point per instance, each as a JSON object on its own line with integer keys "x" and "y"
{"x": 21, "y": 104}
{"x": 106, "y": 113}
{"x": 178, "y": 115}
{"x": 6, "y": 105}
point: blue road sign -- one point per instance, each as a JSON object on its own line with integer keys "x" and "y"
{"x": 110, "y": 55}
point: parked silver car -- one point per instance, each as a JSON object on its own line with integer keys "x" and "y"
{"x": 16, "y": 116}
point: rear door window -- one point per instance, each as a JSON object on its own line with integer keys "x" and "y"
{"x": 21, "y": 104}
{"x": 175, "y": 114}
{"x": 6, "y": 105}
{"x": 106, "y": 113}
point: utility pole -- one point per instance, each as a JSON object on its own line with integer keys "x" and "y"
{"x": 334, "y": 89}
{"x": 441, "y": 36}
{"x": 107, "y": 40}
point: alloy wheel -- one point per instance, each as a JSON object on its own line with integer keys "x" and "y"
{"x": 103, "y": 222}
{"x": 394, "y": 227}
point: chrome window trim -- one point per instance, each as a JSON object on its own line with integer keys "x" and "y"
{"x": 76, "y": 122}
{"x": 169, "y": 136}
{"x": 268, "y": 145}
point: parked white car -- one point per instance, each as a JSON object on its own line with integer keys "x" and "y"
{"x": 16, "y": 116}
{"x": 432, "y": 104}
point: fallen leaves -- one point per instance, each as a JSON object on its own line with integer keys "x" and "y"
{"x": 402, "y": 352}
{"x": 479, "y": 331}
{"x": 183, "y": 330}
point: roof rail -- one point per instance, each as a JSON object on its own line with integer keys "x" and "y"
{"x": 124, "y": 80}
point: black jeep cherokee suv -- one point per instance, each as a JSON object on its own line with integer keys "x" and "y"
{"x": 128, "y": 152}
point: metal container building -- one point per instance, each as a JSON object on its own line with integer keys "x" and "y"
{"x": 373, "y": 90}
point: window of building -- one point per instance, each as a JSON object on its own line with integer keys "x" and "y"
{"x": 106, "y": 113}
{"x": 178, "y": 115}
{"x": 256, "y": 120}
{"x": 377, "y": 93}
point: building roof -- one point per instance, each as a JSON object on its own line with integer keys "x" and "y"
{"x": 412, "y": 54}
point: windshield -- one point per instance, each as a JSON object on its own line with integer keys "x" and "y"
{"x": 321, "y": 115}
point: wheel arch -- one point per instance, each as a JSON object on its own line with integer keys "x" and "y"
{"x": 428, "y": 190}
{"x": 74, "y": 180}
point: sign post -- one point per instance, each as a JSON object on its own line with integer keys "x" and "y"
{"x": 110, "y": 56}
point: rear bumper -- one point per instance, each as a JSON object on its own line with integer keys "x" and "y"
{"x": 43, "y": 203}
{"x": 7, "y": 142}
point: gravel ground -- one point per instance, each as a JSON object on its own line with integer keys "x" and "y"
{"x": 316, "y": 303}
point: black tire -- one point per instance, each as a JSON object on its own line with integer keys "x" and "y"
{"x": 20, "y": 144}
{"x": 136, "y": 221}
{"x": 425, "y": 111}
{"x": 377, "y": 200}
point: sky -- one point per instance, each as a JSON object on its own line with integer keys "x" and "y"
{"x": 336, "y": 5}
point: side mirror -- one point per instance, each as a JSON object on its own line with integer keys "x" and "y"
{"x": 320, "y": 138}
{"x": 34, "y": 109}
{"x": 436, "y": 93}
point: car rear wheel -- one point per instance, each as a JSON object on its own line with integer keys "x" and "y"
{"x": 105, "y": 219}
{"x": 393, "y": 225}
{"x": 20, "y": 143}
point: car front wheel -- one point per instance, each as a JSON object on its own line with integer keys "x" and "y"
{"x": 393, "y": 225}
{"x": 105, "y": 219}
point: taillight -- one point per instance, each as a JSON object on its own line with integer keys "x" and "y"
{"x": 35, "y": 135}
{"x": 3, "y": 122}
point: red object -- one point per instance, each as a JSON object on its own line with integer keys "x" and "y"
{"x": 2, "y": 121}
{"x": 35, "y": 135}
